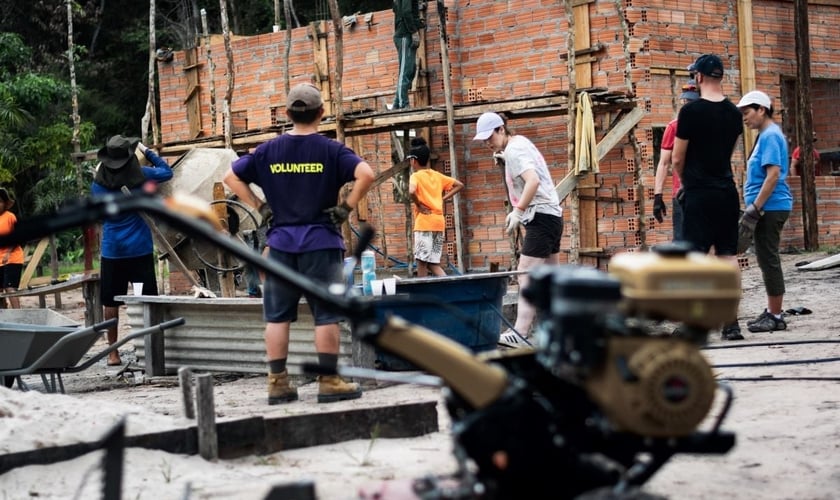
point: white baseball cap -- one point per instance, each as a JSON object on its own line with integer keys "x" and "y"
{"x": 755, "y": 97}
{"x": 486, "y": 124}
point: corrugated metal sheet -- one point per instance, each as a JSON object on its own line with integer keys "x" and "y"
{"x": 226, "y": 335}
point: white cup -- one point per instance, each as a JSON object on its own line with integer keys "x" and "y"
{"x": 390, "y": 286}
{"x": 376, "y": 287}
{"x": 138, "y": 288}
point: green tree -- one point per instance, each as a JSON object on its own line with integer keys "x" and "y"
{"x": 35, "y": 131}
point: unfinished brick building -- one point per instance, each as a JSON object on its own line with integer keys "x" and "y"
{"x": 513, "y": 57}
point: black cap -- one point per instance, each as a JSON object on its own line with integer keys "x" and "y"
{"x": 709, "y": 65}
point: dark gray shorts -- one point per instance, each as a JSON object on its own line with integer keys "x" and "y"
{"x": 280, "y": 301}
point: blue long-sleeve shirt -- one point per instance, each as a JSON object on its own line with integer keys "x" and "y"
{"x": 128, "y": 235}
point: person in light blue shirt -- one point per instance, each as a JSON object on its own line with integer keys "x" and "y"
{"x": 126, "y": 246}
{"x": 768, "y": 203}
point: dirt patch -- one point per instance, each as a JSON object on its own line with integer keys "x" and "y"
{"x": 788, "y": 438}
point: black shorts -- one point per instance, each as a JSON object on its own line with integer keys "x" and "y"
{"x": 710, "y": 219}
{"x": 116, "y": 274}
{"x": 280, "y": 301}
{"x": 10, "y": 274}
{"x": 542, "y": 236}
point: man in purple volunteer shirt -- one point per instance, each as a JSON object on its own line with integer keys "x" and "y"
{"x": 301, "y": 173}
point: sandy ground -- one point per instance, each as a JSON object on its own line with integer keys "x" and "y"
{"x": 788, "y": 431}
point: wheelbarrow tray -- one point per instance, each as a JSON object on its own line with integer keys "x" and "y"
{"x": 22, "y": 344}
{"x": 64, "y": 351}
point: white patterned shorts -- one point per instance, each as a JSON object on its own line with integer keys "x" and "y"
{"x": 428, "y": 246}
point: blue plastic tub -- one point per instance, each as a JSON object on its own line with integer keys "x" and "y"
{"x": 476, "y": 296}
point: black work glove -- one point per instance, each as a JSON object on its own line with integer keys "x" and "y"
{"x": 266, "y": 216}
{"x": 339, "y": 213}
{"x": 659, "y": 208}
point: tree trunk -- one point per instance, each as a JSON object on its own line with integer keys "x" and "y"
{"x": 805, "y": 124}
{"x": 87, "y": 231}
{"x": 151, "y": 102}
{"x": 230, "y": 76}
{"x": 211, "y": 70}
{"x": 338, "y": 98}
{"x": 287, "y": 13}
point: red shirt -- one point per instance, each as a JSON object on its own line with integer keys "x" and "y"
{"x": 795, "y": 156}
{"x": 668, "y": 144}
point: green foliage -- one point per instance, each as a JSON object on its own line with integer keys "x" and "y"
{"x": 14, "y": 55}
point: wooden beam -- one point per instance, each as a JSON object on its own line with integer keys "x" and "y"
{"x": 37, "y": 254}
{"x": 376, "y": 122}
{"x": 619, "y": 131}
{"x": 609, "y": 141}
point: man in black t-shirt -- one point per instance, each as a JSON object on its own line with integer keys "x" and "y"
{"x": 707, "y": 130}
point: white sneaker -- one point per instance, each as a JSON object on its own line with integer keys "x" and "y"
{"x": 510, "y": 338}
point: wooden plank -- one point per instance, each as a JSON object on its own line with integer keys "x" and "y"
{"x": 58, "y": 287}
{"x": 321, "y": 64}
{"x": 258, "y": 435}
{"x": 34, "y": 260}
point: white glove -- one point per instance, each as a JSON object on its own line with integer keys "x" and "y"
{"x": 512, "y": 220}
{"x": 142, "y": 147}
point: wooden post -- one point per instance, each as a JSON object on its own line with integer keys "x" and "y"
{"x": 574, "y": 201}
{"x": 450, "y": 129}
{"x": 805, "y": 124}
{"x": 153, "y": 345}
{"x": 747, "y": 65}
{"x": 227, "y": 286}
{"x": 185, "y": 381}
{"x": 208, "y": 441}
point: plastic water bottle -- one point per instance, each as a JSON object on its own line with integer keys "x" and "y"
{"x": 367, "y": 277}
{"x": 347, "y": 271}
{"x": 368, "y": 261}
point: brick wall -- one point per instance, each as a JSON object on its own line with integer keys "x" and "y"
{"x": 501, "y": 50}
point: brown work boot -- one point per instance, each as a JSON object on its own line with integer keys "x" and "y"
{"x": 279, "y": 388}
{"x": 332, "y": 388}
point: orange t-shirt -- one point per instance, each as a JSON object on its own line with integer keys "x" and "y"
{"x": 429, "y": 188}
{"x": 12, "y": 255}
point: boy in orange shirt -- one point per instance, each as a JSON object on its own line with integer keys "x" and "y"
{"x": 11, "y": 258}
{"x": 429, "y": 189}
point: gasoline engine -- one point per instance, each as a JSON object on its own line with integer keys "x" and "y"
{"x": 603, "y": 401}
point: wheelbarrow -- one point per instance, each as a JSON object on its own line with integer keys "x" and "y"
{"x": 53, "y": 351}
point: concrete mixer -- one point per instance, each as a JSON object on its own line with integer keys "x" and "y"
{"x": 198, "y": 172}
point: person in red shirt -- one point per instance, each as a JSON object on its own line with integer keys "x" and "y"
{"x": 689, "y": 94}
{"x": 795, "y": 157}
